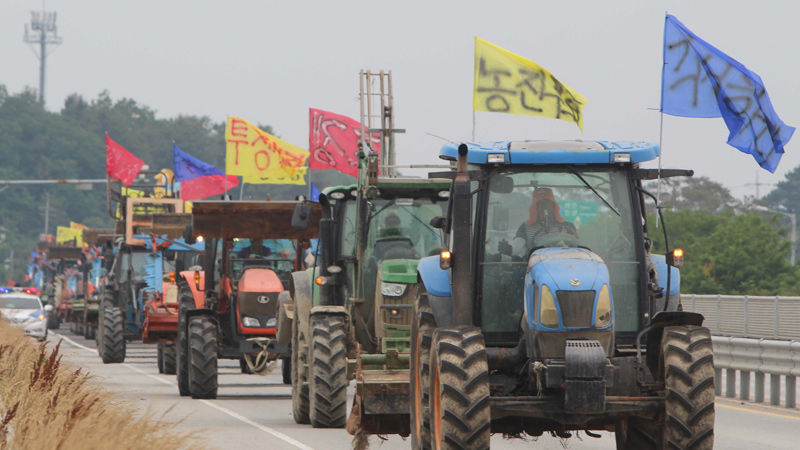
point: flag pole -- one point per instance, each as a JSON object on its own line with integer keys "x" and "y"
{"x": 241, "y": 188}
{"x": 473, "y": 123}
{"x": 661, "y": 120}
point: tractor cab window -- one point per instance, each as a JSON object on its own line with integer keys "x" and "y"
{"x": 274, "y": 254}
{"x": 400, "y": 228}
{"x": 588, "y": 208}
{"x": 138, "y": 261}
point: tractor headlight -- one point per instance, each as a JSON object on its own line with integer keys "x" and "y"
{"x": 392, "y": 289}
{"x": 271, "y": 322}
{"x": 547, "y": 307}
{"x": 602, "y": 315}
{"x": 250, "y": 322}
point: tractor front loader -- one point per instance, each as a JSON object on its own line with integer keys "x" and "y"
{"x": 228, "y": 305}
{"x": 547, "y": 312}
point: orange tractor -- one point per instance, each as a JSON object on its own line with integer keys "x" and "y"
{"x": 229, "y": 305}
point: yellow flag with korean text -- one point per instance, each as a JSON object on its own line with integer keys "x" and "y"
{"x": 508, "y": 83}
{"x": 261, "y": 158}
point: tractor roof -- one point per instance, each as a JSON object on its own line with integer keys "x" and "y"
{"x": 251, "y": 219}
{"x": 391, "y": 187}
{"x": 554, "y": 152}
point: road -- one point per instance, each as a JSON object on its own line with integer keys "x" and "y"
{"x": 254, "y": 411}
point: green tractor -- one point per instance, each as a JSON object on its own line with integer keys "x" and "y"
{"x": 547, "y": 312}
{"x": 351, "y": 310}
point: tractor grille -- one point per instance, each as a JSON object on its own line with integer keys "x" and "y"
{"x": 576, "y": 308}
{"x": 258, "y": 304}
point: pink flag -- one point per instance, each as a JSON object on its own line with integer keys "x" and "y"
{"x": 121, "y": 163}
{"x": 333, "y": 142}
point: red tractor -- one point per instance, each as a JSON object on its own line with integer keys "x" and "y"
{"x": 229, "y": 305}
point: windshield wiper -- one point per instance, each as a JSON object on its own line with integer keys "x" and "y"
{"x": 580, "y": 177}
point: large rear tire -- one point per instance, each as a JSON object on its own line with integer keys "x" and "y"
{"x": 328, "y": 372}
{"x": 422, "y": 325}
{"x": 169, "y": 358}
{"x": 202, "y": 357}
{"x": 299, "y": 369}
{"x": 112, "y": 348}
{"x": 459, "y": 389}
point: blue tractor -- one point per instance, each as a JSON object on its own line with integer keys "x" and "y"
{"x": 547, "y": 313}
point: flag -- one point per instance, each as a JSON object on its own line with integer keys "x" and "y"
{"x": 698, "y": 80}
{"x": 121, "y": 163}
{"x": 199, "y": 179}
{"x": 67, "y": 234}
{"x": 260, "y": 157}
{"x": 333, "y": 142}
{"x": 313, "y": 193}
{"x": 509, "y": 83}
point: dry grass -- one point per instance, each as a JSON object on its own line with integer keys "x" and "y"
{"x": 47, "y": 404}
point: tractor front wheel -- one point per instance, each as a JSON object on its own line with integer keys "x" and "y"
{"x": 421, "y": 333}
{"x": 286, "y": 369}
{"x": 459, "y": 389}
{"x": 202, "y": 357}
{"x": 328, "y": 372}
{"x": 169, "y": 358}
{"x": 160, "y": 357}
{"x": 112, "y": 346}
{"x": 181, "y": 342}
{"x": 299, "y": 372}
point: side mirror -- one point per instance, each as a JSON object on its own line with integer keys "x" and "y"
{"x": 301, "y": 217}
{"x": 187, "y": 235}
{"x": 438, "y": 222}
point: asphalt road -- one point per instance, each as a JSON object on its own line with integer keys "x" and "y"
{"x": 254, "y": 411}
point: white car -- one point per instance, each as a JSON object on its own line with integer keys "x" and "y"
{"x": 26, "y": 311}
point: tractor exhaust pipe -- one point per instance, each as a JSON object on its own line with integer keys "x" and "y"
{"x": 462, "y": 279}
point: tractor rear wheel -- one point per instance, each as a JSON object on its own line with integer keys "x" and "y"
{"x": 299, "y": 369}
{"x": 422, "y": 326}
{"x": 169, "y": 358}
{"x": 182, "y": 343}
{"x": 459, "y": 389}
{"x": 202, "y": 357}
{"x": 328, "y": 372}
{"x": 112, "y": 348}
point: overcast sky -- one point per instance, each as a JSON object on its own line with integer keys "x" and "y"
{"x": 269, "y": 61}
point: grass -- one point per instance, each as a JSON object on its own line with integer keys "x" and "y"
{"x": 48, "y": 404}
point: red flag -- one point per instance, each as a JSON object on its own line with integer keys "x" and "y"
{"x": 121, "y": 163}
{"x": 333, "y": 142}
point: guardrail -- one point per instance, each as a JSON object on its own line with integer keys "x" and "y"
{"x": 761, "y": 357}
{"x": 747, "y": 316}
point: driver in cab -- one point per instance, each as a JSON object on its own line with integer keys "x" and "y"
{"x": 544, "y": 219}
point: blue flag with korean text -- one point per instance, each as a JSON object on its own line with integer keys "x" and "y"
{"x": 698, "y": 80}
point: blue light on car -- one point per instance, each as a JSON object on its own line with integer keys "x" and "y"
{"x": 4, "y": 290}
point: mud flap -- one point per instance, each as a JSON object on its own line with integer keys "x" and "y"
{"x": 584, "y": 376}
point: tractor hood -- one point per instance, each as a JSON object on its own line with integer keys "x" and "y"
{"x": 567, "y": 269}
{"x": 399, "y": 271}
{"x": 259, "y": 280}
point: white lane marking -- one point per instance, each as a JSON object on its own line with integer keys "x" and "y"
{"x": 221, "y": 409}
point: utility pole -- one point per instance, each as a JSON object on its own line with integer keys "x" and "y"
{"x": 42, "y": 31}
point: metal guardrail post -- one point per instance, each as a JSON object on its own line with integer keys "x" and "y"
{"x": 759, "y": 393}
{"x": 774, "y": 389}
{"x": 744, "y": 385}
{"x": 730, "y": 383}
{"x": 791, "y": 392}
{"x": 717, "y": 381}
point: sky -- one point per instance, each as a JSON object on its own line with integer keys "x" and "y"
{"x": 270, "y": 61}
